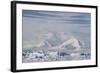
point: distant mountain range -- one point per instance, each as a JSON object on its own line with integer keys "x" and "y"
{"x": 52, "y": 41}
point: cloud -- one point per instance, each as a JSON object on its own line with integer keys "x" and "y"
{"x": 55, "y": 16}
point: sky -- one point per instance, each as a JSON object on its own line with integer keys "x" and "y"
{"x": 73, "y": 23}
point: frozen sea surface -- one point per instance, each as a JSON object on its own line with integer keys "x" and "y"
{"x": 47, "y": 56}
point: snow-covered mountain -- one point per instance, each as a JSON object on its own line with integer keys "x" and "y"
{"x": 60, "y": 40}
{"x": 71, "y": 43}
